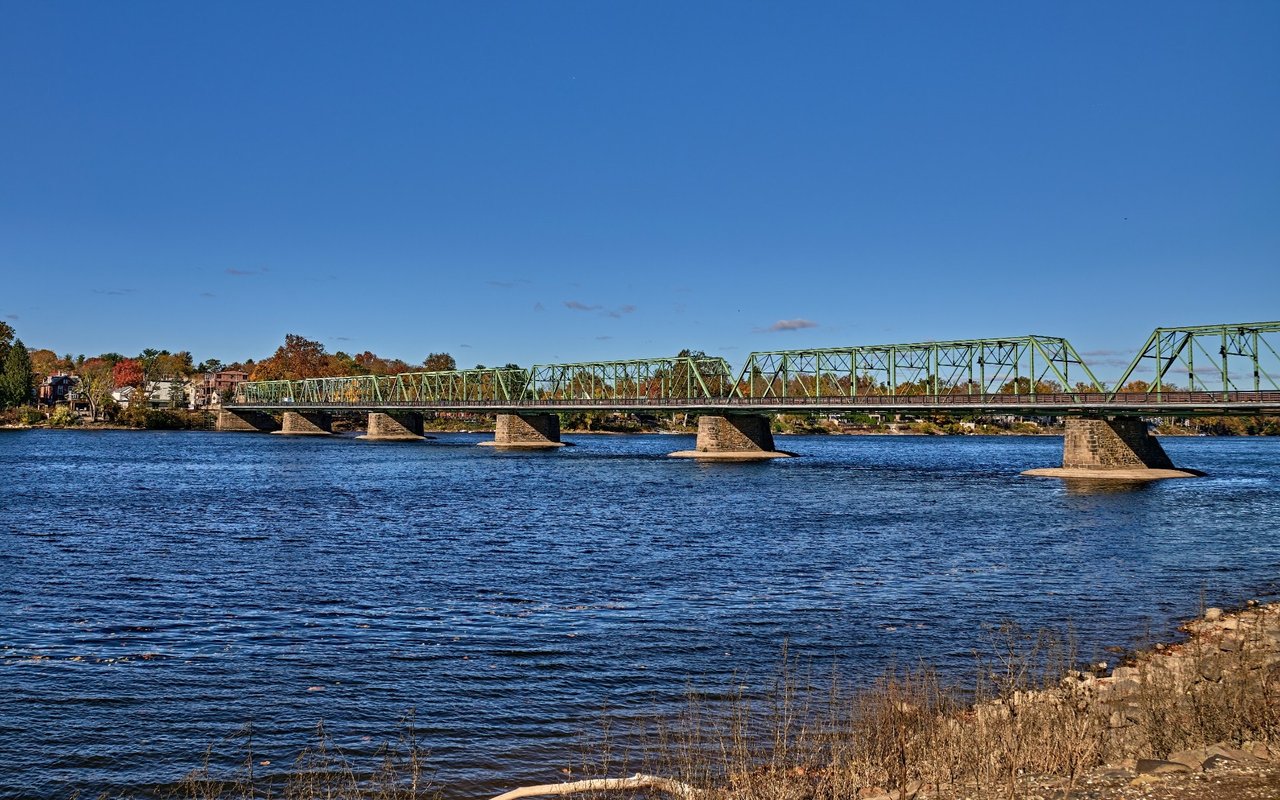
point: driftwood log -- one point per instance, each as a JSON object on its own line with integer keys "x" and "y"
{"x": 637, "y": 781}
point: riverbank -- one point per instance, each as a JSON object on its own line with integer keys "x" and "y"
{"x": 1197, "y": 719}
{"x": 1191, "y": 720}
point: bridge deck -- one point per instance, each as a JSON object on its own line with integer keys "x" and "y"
{"x": 1065, "y": 404}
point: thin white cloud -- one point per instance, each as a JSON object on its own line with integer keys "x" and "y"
{"x": 788, "y": 325}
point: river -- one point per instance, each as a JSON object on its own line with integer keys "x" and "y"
{"x": 160, "y": 590}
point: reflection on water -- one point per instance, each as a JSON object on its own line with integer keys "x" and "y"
{"x": 1090, "y": 486}
{"x": 160, "y": 590}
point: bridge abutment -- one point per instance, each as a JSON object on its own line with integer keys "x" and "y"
{"x": 1112, "y": 449}
{"x": 249, "y": 421}
{"x": 306, "y": 423}
{"x": 526, "y": 432}
{"x": 733, "y": 437}
{"x": 400, "y": 426}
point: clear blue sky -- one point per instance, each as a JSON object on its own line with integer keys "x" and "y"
{"x": 524, "y": 181}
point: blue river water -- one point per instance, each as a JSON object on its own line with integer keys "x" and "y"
{"x": 160, "y": 590}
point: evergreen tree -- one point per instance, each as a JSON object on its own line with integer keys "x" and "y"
{"x": 6, "y": 336}
{"x": 17, "y": 379}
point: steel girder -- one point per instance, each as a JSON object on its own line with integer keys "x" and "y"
{"x": 1219, "y": 349}
{"x": 1013, "y": 365}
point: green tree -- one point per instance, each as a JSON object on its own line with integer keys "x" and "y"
{"x": 17, "y": 379}
{"x": 6, "y": 338}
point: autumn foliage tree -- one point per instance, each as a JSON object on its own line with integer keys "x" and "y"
{"x": 439, "y": 362}
{"x": 297, "y": 358}
{"x": 127, "y": 372}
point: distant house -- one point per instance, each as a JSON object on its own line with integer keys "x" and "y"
{"x": 56, "y": 389}
{"x": 159, "y": 394}
{"x": 213, "y": 386}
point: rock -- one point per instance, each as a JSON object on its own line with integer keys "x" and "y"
{"x": 1121, "y": 673}
{"x": 1216, "y": 761}
{"x": 1156, "y": 766}
{"x": 1261, "y": 751}
{"x": 1192, "y": 758}
{"x": 1210, "y": 669}
{"x": 1212, "y": 614}
{"x": 1231, "y": 753}
{"x": 1112, "y": 773}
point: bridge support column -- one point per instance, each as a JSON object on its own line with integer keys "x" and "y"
{"x": 1112, "y": 449}
{"x": 306, "y": 423}
{"x": 251, "y": 421}
{"x": 526, "y": 432}
{"x": 733, "y": 437}
{"x": 400, "y": 426}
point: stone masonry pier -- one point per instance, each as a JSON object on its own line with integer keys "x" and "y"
{"x": 306, "y": 423}
{"x": 526, "y": 432}
{"x": 733, "y": 437}
{"x": 1112, "y": 449}
{"x": 248, "y": 421}
{"x": 403, "y": 426}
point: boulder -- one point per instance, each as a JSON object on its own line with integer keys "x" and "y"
{"x": 1156, "y": 766}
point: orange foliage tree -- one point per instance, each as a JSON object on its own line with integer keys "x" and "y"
{"x": 299, "y": 357}
{"x": 127, "y": 372}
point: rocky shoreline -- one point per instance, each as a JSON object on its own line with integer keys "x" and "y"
{"x": 1222, "y": 649}
{"x": 1192, "y": 720}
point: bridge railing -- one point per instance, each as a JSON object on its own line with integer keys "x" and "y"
{"x": 1150, "y": 403}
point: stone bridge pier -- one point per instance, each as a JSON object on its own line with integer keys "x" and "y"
{"x": 1121, "y": 448}
{"x": 526, "y": 432}
{"x": 399, "y": 426}
{"x": 249, "y": 421}
{"x": 306, "y": 423}
{"x": 733, "y": 437}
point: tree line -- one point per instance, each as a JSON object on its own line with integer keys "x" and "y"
{"x": 22, "y": 371}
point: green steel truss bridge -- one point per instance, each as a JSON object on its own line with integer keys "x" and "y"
{"x": 1228, "y": 369}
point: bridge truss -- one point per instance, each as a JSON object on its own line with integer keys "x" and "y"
{"x": 685, "y": 378}
{"x": 1211, "y": 358}
{"x": 1018, "y": 365}
{"x": 1232, "y": 368}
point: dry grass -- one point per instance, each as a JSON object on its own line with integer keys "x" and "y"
{"x": 320, "y": 772}
{"x": 1029, "y": 718}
